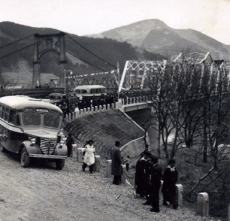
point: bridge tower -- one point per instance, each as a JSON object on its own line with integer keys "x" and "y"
{"x": 45, "y": 43}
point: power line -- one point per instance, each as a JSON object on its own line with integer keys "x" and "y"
{"x": 13, "y": 42}
{"x": 18, "y": 50}
{"x": 89, "y": 51}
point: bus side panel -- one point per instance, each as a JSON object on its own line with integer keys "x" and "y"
{"x": 15, "y": 140}
{"x": 3, "y": 137}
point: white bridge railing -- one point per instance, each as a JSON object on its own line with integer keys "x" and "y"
{"x": 102, "y": 108}
{"x": 89, "y": 110}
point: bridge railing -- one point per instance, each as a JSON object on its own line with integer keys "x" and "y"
{"x": 136, "y": 99}
{"x": 77, "y": 113}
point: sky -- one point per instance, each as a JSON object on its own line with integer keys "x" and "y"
{"x": 84, "y": 17}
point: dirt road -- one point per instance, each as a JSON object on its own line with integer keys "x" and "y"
{"x": 40, "y": 193}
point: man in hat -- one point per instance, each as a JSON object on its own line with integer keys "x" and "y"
{"x": 117, "y": 163}
{"x": 169, "y": 186}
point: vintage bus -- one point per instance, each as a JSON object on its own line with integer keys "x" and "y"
{"x": 87, "y": 91}
{"x": 56, "y": 98}
{"x": 32, "y": 129}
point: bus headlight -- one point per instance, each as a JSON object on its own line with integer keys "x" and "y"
{"x": 63, "y": 141}
{"x": 33, "y": 141}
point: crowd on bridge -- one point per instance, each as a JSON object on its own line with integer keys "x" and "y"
{"x": 69, "y": 103}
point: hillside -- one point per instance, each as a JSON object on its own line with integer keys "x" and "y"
{"x": 104, "y": 128}
{"x": 21, "y": 63}
{"x": 156, "y": 36}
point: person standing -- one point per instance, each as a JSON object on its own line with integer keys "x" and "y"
{"x": 140, "y": 175}
{"x": 116, "y": 163}
{"x": 69, "y": 144}
{"x": 89, "y": 157}
{"x": 169, "y": 185}
{"x": 155, "y": 184}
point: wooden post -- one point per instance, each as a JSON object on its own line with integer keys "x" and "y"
{"x": 203, "y": 204}
{"x": 124, "y": 176}
{"x": 108, "y": 168}
{"x": 80, "y": 154}
{"x": 97, "y": 163}
{"x": 74, "y": 151}
{"x": 179, "y": 191}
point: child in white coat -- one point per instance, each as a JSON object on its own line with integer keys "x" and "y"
{"x": 89, "y": 157}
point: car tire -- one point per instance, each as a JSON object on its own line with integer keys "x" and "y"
{"x": 25, "y": 159}
{"x": 60, "y": 164}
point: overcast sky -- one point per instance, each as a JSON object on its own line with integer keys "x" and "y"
{"x": 83, "y": 17}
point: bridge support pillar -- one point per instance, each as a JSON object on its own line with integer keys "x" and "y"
{"x": 36, "y": 81}
{"x": 43, "y": 44}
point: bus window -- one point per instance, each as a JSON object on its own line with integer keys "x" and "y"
{"x": 0, "y": 111}
{"x": 97, "y": 91}
{"x": 6, "y": 113}
{"x": 14, "y": 118}
{"x": 51, "y": 119}
{"x": 31, "y": 117}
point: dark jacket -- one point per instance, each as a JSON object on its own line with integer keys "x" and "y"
{"x": 116, "y": 162}
{"x": 156, "y": 175}
{"x": 69, "y": 141}
{"x": 170, "y": 179}
{"x": 140, "y": 171}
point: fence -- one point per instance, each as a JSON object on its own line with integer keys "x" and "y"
{"x": 105, "y": 107}
{"x": 89, "y": 110}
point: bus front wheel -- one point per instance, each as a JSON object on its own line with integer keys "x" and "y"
{"x": 25, "y": 159}
{"x": 3, "y": 150}
{"x": 60, "y": 164}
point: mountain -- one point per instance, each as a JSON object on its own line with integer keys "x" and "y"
{"x": 157, "y": 37}
{"x": 18, "y": 67}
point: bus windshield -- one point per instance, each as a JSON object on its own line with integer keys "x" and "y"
{"x": 31, "y": 117}
{"x": 51, "y": 119}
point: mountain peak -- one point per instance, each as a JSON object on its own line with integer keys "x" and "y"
{"x": 155, "y": 36}
{"x": 134, "y": 33}
{"x": 150, "y": 23}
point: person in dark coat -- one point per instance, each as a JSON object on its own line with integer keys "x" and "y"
{"x": 140, "y": 176}
{"x": 155, "y": 185}
{"x": 116, "y": 163}
{"x": 69, "y": 144}
{"x": 148, "y": 191}
{"x": 169, "y": 185}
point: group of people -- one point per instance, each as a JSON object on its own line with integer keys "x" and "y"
{"x": 149, "y": 178}
{"x": 149, "y": 175}
{"x": 68, "y": 105}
